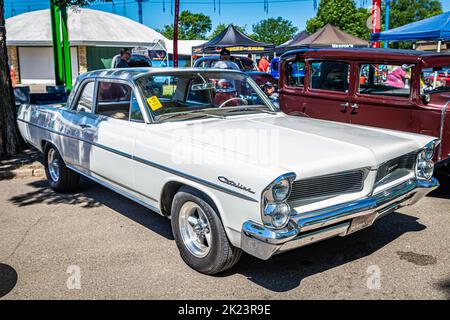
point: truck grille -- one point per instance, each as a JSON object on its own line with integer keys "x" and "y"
{"x": 407, "y": 161}
{"x": 327, "y": 186}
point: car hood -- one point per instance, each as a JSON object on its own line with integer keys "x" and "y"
{"x": 308, "y": 147}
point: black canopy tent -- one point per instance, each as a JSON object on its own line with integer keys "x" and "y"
{"x": 235, "y": 41}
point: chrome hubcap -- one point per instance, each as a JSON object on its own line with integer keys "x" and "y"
{"x": 53, "y": 165}
{"x": 195, "y": 229}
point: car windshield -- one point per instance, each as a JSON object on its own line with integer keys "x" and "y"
{"x": 184, "y": 95}
{"x": 436, "y": 79}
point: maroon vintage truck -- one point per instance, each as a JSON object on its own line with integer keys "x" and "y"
{"x": 395, "y": 89}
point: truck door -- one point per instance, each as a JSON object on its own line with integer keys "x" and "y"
{"x": 383, "y": 96}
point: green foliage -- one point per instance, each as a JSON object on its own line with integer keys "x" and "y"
{"x": 274, "y": 31}
{"x": 342, "y": 14}
{"x": 221, "y": 26}
{"x": 191, "y": 26}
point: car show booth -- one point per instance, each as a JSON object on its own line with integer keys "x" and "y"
{"x": 235, "y": 41}
{"x": 327, "y": 37}
{"x": 434, "y": 29}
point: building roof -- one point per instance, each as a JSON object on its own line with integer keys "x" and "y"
{"x": 90, "y": 28}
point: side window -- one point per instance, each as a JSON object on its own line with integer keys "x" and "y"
{"x": 86, "y": 99}
{"x": 385, "y": 80}
{"x": 295, "y": 73}
{"x": 198, "y": 96}
{"x": 329, "y": 75}
{"x": 113, "y": 100}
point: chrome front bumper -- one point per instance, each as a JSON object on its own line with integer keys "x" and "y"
{"x": 306, "y": 228}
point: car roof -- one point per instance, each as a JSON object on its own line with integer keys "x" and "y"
{"x": 355, "y": 53}
{"x": 133, "y": 73}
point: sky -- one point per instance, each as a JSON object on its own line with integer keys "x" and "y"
{"x": 240, "y": 12}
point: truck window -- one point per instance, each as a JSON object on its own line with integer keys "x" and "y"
{"x": 295, "y": 73}
{"x": 385, "y": 80}
{"x": 329, "y": 75}
{"x": 86, "y": 99}
{"x": 113, "y": 100}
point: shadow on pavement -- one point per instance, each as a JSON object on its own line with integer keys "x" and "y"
{"x": 92, "y": 195}
{"x": 285, "y": 272}
{"x": 8, "y": 279}
{"x": 29, "y": 158}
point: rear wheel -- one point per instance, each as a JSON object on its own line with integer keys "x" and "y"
{"x": 200, "y": 235}
{"x": 60, "y": 178}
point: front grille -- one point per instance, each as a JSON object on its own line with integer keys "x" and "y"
{"x": 407, "y": 161}
{"x": 327, "y": 186}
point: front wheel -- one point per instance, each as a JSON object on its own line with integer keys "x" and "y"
{"x": 60, "y": 178}
{"x": 199, "y": 234}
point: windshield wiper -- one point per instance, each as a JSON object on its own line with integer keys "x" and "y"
{"x": 235, "y": 109}
{"x": 171, "y": 115}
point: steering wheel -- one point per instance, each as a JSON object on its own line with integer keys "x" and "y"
{"x": 234, "y": 98}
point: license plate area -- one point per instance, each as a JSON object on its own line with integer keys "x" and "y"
{"x": 362, "y": 222}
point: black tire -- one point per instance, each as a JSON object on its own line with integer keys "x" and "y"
{"x": 67, "y": 180}
{"x": 222, "y": 255}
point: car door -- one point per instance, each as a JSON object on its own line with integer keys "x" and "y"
{"x": 383, "y": 95}
{"x": 110, "y": 134}
{"x": 327, "y": 93}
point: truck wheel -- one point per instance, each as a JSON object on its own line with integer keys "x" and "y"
{"x": 60, "y": 178}
{"x": 200, "y": 235}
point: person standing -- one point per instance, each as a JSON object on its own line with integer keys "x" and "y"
{"x": 263, "y": 64}
{"x": 124, "y": 57}
{"x": 224, "y": 62}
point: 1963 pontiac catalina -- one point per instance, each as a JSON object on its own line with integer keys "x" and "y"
{"x": 209, "y": 151}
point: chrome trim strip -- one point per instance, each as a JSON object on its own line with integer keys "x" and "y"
{"x": 441, "y": 129}
{"x": 150, "y": 163}
{"x": 111, "y": 187}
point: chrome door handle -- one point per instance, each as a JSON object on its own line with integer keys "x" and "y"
{"x": 355, "y": 106}
{"x": 344, "y": 107}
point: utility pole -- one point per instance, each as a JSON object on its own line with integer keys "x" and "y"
{"x": 175, "y": 33}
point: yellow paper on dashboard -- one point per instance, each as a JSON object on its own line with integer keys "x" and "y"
{"x": 154, "y": 103}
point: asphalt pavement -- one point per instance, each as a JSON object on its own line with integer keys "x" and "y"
{"x": 96, "y": 244}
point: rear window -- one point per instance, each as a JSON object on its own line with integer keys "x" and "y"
{"x": 329, "y": 75}
{"x": 385, "y": 80}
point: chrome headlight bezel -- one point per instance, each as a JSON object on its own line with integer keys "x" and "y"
{"x": 424, "y": 161}
{"x": 275, "y": 211}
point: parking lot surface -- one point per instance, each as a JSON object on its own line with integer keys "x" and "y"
{"x": 96, "y": 244}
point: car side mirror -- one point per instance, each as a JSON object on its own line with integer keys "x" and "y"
{"x": 425, "y": 98}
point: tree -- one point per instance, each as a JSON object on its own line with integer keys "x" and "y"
{"x": 342, "y": 14}
{"x": 406, "y": 11}
{"x": 191, "y": 26}
{"x": 221, "y": 26}
{"x": 276, "y": 31}
{"x": 10, "y": 142}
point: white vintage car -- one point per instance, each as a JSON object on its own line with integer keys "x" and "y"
{"x": 207, "y": 149}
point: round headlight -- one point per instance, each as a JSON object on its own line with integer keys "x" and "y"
{"x": 277, "y": 214}
{"x": 280, "y": 190}
{"x": 424, "y": 167}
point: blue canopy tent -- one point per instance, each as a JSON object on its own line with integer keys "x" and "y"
{"x": 436, "y": 28}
